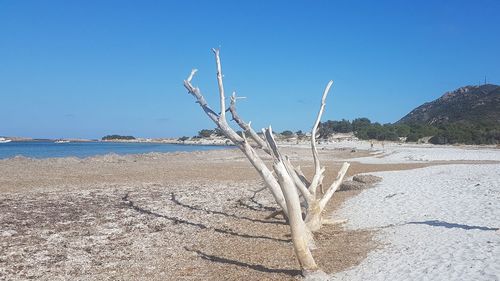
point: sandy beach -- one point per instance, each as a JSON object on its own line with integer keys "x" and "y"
{"x": 201, "y": 216}
{"x": 254, "y": 141}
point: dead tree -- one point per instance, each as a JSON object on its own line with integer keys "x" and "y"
{"x": 288, "y": 184}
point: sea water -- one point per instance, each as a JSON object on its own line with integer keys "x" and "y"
{"x": 46, "y": 149}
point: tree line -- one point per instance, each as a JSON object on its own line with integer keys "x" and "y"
{"x": 445, "y": 133}
{"x": 117, "y": 137}
{"x": 365, "y": 129}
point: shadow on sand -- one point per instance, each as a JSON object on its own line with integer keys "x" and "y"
{"x": 174, "y": 199}
{"x": 257, "y": 267}
{"x": 126, "y": 200}
{"x": 438, "y": 223}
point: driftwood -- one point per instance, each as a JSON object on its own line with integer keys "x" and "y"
{"x": 287, "y": 184}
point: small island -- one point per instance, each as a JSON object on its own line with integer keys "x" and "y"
{"x": 117, "y": 138}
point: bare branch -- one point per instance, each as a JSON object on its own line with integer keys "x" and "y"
{"x": 244, "y": 137}
{"x": 221, "y": 85}
{"x": 317, "y": 180}
{"x": 317, "y": 168}
{"x": 266, "y": 174}
{"x": 199, "y": 97}
{"x": 271, "y": 143}
{"x": 190, "y": 77}
{"x": 252, "y": 156}
{"x": 322, "y": 107}
{"x": 290, "y": 171}
{"x": 246, "y": 127}
{"x": 298, "y": 181}
{"x": 256, "y": 161}
{"x": 302, "y": 176}
{"x": 335, "y": 185}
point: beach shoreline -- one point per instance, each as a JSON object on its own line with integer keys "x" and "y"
{"x": 165, "y": 216}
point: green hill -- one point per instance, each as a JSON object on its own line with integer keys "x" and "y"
{"x": 470, "y": 105}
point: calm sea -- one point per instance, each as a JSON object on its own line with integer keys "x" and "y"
{"x": 85, "y": 149}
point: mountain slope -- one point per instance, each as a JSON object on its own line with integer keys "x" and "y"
{"x": 469, "y": 104}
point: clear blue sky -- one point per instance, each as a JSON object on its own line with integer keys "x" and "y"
{"x": 90, "y": 68}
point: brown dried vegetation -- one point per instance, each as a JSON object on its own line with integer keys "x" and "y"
{"x": 143, "y": 217}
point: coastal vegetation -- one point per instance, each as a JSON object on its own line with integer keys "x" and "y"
{"x": 287, "y": 133}
{"x": 364, "y": 129}
{"x": 117, "y": 137}
{"x": 446, "y": 133}
{"x": 468, "y": 115}
{"x": 207, "y": 133}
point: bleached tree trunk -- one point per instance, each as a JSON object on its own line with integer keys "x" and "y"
{"x": 288, "y": 181}
{"x": 301, "y": 236}
{"x": 314, "y": 219}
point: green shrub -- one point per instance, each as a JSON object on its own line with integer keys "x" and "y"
{"x": 118, "y": 137}
{"x": 205, "y": 133}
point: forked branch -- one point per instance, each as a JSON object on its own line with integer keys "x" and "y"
{"x": 199, "y": 97}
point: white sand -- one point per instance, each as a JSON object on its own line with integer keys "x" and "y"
{"x": 411, "y": 153}
{"x": 391, "y": 152}
{"x": 434, "y": 223}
